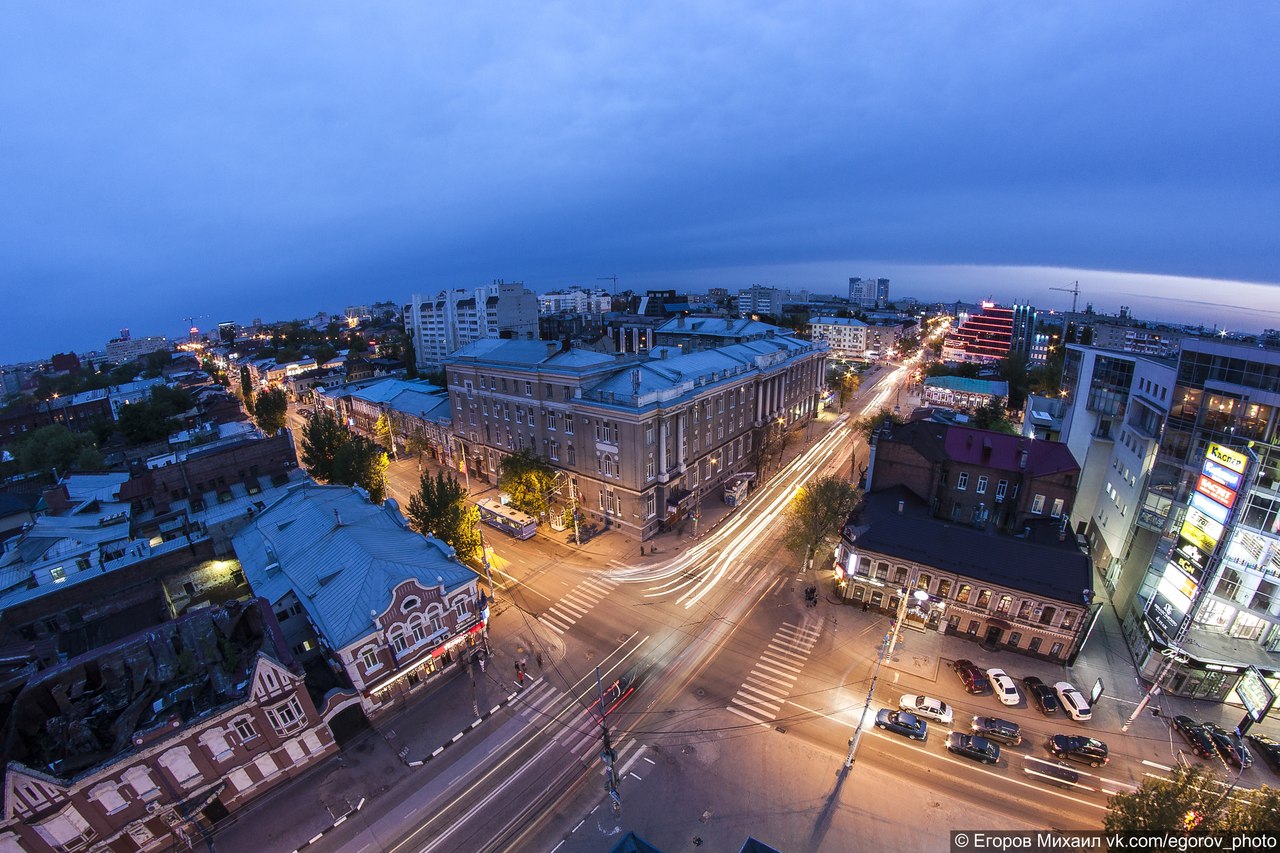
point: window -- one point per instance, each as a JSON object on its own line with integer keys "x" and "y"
{"x": 962, "y": 595}
{"x": 410, "y": 603}
{"x": 1055, "y": 650}
{"x": 1001, "y": 488}
{"x": 1024, "y": 610}
{"x": 1068, "y": 620}
{"x": 648, "y": 434}
{"x": 287, "y": 717}
{"x": 244, "y": 729}
{"x": 460, "y": 607}
{"x": 972, "y": 629}
{"x": 962, "y": 482}
{"x": 1046, "y": 616}
{"x": 984, "y": 598}
{"x": 1056, "y": 512}
{"x": 1035, "y": 645}
{"x": 573, "y": 457}
{"x": 882, "y": 570}
{"x": 1004, "y": 604}
{"x": 528, "y": 389}
{"x": 437, "y": 623}
{"x": 982, "y": 486}
{"x": 650, "y": 505}
{"x": 944, "y": 587}
{"x": 418, "y": 627}
{"x": 1014, "y": 639}
{"x": 650, "y": 469}
{"x": 923, "y": 581}
{"x": 1037, "y": 504}
{"x": 369, "y": 657}
{"x": 397, "y": 638}
{"x": 554, "y": 451}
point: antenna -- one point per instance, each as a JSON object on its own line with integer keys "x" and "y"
{"x": 1074, "y": 291}
{"x": 612, "y": 278}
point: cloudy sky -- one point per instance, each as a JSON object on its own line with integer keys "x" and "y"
{"x": 241, "y": 160}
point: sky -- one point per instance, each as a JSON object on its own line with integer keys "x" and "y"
{"x": 232, "y": 161}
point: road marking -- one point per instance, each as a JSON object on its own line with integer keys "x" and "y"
{"x": 763, "y": 665}
{"x": 764, "y": 714}
{"x": 626, "y": 766}
{"x": 749, "y": 698}
{"x": 577, "y": 610}
{"x": 762, "y": 680}
{"x": 551, "y": 625}
{"x": 1157, "y": 766}
{"x": 744, "y": 715}
{"x": 752, "y": 688}
{"x": 778, "y": 661}
{"x": 783, "y": 653}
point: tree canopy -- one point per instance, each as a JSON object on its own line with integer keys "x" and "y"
{"x": 246, "y": 388}
{"x": 154, "y": 418}
{"x": 269, "y": 410}
{"x": 529, "y": 481}
{"x": 816, "y": 513}
{"x": 866, "y": 426}
{"x": 360, "y": 462}
{"x": 321, "y": 438}
{"x": 55, "y": 446}
{"x": 1193, "y": 800}
{"x": 440, "y": 508}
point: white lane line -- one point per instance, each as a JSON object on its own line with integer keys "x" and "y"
{"x": 744, "y": 715}
{"x": 1157, "y": 766}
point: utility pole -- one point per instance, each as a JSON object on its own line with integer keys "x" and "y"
{"x": 890, "y": 640}
{"x": 573, "y": 509}
{"x": 608, "y": 755}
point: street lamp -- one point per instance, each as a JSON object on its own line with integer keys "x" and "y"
{"x": 886, "y": 649}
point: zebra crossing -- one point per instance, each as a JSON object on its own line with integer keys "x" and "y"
{"x": 775, "y": 672}
{"x": 574, "y": 604}
{"x": 579, "y": 731}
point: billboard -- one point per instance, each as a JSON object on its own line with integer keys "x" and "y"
{"x": 1232, "y": 459}
{"x": 1255, "y": 693}
{"x": 1221, "y": 474}
{"x": 1216, "y": 511}
{"x": 1217, "y": 491}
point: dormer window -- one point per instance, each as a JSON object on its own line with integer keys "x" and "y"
{"x": 410, "y": 603}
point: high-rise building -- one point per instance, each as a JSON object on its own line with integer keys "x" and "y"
{"x": 983, "y": 338}
{"x": 1022, "y": 335}
{"x": 454, "y": 318}
{"x": 868, "y": 292}
{"x": 882, "y": 292}
{"x": 1203, "y": 573}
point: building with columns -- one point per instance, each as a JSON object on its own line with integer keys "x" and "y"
{"x": 637, "y": 435}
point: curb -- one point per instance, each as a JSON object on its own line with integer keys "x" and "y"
{"x": 477, "y": 721}
{"x": 337, "y": 823}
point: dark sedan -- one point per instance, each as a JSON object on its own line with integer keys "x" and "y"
{"x": 1269, "y": 748}
{"x": 1230, "y": 746}
{"x": 975, "y": 681}
{"x": 1195, "y": 735}
{"x": 972, "y": 746}
{"x": 1086, "y": 750}
{"x": 1041, "y": 695}
{"x": 902, "y": 723}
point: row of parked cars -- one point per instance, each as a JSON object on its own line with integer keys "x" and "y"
{"x": 1063, "y": 695}
{"x": 1209, "y": 740}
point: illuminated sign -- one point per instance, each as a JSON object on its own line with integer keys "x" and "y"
{"x": 1197, "y": 558}
{"x": 1216, "y": 511}
{"x": 1177, "y": 588}
{"x": 1212, "y": 528}
{"x": 1221, "y": 474}
{"x": 1255, "y": 693}
{"x": 1185, "y": 564}
{"x": 1197, "y": 537}
{"x": 1217, "y": 491}
{"x": 1230, "y": 458}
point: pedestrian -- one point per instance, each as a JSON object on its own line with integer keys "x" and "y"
{"x": 864, "y": 606}
{"x": 520, "y": 678}
{"x": 538, "y": 658}
{"x": 481, "y": 659}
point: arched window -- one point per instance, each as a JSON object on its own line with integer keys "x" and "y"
{"x": 396, "y": 637}
{"x": 1004, "y": 604}
{"x": 419, "y": 628}
{"x": 410, "y": 603}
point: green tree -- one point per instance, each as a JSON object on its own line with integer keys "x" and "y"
{"x": 155, "y": 362}
{"x": 867, "y": 426}
{"x": 440, "y": 508}
{"x": 360, "y": 462}
{"x": 384, "y": 433}
{"x": 322, "y": 437}
{"x": 816, "y": 513}
{"x": 994, "y": 416}
{"x": 55, "y": 446}
{"x": 246, "y": 388}
{"x": 1190, "y": 799}
{"x": 529, "y": 481}
{"x": 844, "y": 381}
{"x": 269, "y": 410}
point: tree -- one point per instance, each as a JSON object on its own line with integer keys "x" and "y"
{"x": 844, "y": 382}
{"x": 994, "y": 416}
{"x": 867, "y": 426}
{"x": 440, "y": 508}
{"x": 529, "y": 481}
{"x": 246, "y": 388}
{"x": 322, "y": 437}
{"x": 55, "y": 446}
{"x": 1193, "y": 799}
{"x": 384, "y": 433}
{"x": 269, "y": 410}
{"x": 360, "y": 462}
{"x": 816, "y": 513}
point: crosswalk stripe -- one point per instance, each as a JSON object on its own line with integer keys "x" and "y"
{"x": 557, "y": 618}
{"x": 553, "y": 626}
{"x": 751, "y": 688}
{"x": 762, "y": 665}
{"x": 762, "y": 677}
{"x": 779, "y": 663}
{"x": 785, "y": 653}
{"x": 801, "y": 629}
{"x": 603, "y": 587}
{"x": 802, "y": 641}
{"x": 747, "y": 716}
{"x": 572, "y": 607}
{"x": 762, "y": 712}
{"x": 771, "y": 707}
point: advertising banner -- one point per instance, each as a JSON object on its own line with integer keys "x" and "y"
{"x": 1217, "y": 491}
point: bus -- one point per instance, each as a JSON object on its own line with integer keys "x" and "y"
{"x": 506, "y": 518}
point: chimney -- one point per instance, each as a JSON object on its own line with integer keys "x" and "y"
{"x": 337, "y": 518}
{"x": 901, "y": 506}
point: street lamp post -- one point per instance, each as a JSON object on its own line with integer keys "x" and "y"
{"x": 886, "y": 649}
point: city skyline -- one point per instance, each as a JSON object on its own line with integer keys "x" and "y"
{"x": 166, "y": 163}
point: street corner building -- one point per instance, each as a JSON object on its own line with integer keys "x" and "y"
{"x": 363, "y": 599}
{"x": 148, "y": 742}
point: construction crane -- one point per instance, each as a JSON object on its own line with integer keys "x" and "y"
{"x": 612, "y": 278}
{"x": 1074, "y": 291}
{"x": 193, "y": 333}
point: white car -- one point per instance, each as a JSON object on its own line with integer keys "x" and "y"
{"x": 1072, "y": 701}
{"x": 1006, "y": 691}
{"x": 927, "y": 707}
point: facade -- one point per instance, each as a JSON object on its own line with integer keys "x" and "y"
{"x": 844, "y": 335}
{"x": 1207, "y": 543}
{"x": 125, "y": 349}
{"x": 976, "y": 477}
{"x": 1031, "y": 595}
{"x": 1115, "y": 405}
{"x": 1022, "y": 335}
{"x": 869, "y": 292}
{"x": 760, "y": 300}
{"x": 386, "y": 608}
{"x": 982, "y": 338}
{"x": 576, "y": 300}
{"x": 962, "y": 393}
{"x": 636, "y": 436}
{"x": 452, "y": 319}
{"x": 158, "y": 736}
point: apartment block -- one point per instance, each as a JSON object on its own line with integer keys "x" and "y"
{"x": 452, "y": 319}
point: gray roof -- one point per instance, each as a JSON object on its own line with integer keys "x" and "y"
{"x": 836, "y": 321}
{"x": 341, "y": 556}
{"x": 525, "y": 352}
{"x": 1039, "y": 565}
{"x": 720, "y": 327}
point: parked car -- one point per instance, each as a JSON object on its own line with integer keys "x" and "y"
{"x": 994, "y": 728}
{"x": 1006, "y": 691}
{"x": 1041, "y": 695}
{"x": 973, "y": 679}
{"x": 927, "y": 707}
{"x": 1268, "y": 748}
{"x": 1230, "y": 745}
{"x": 902, "y": 723}
{"x": 972, "y": 746}
{"x": 1195, "y": 735}
{"x": 1073, "y": 701}
{"x": 1086, "y": 750}
{"x": 1051, "y": 772}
